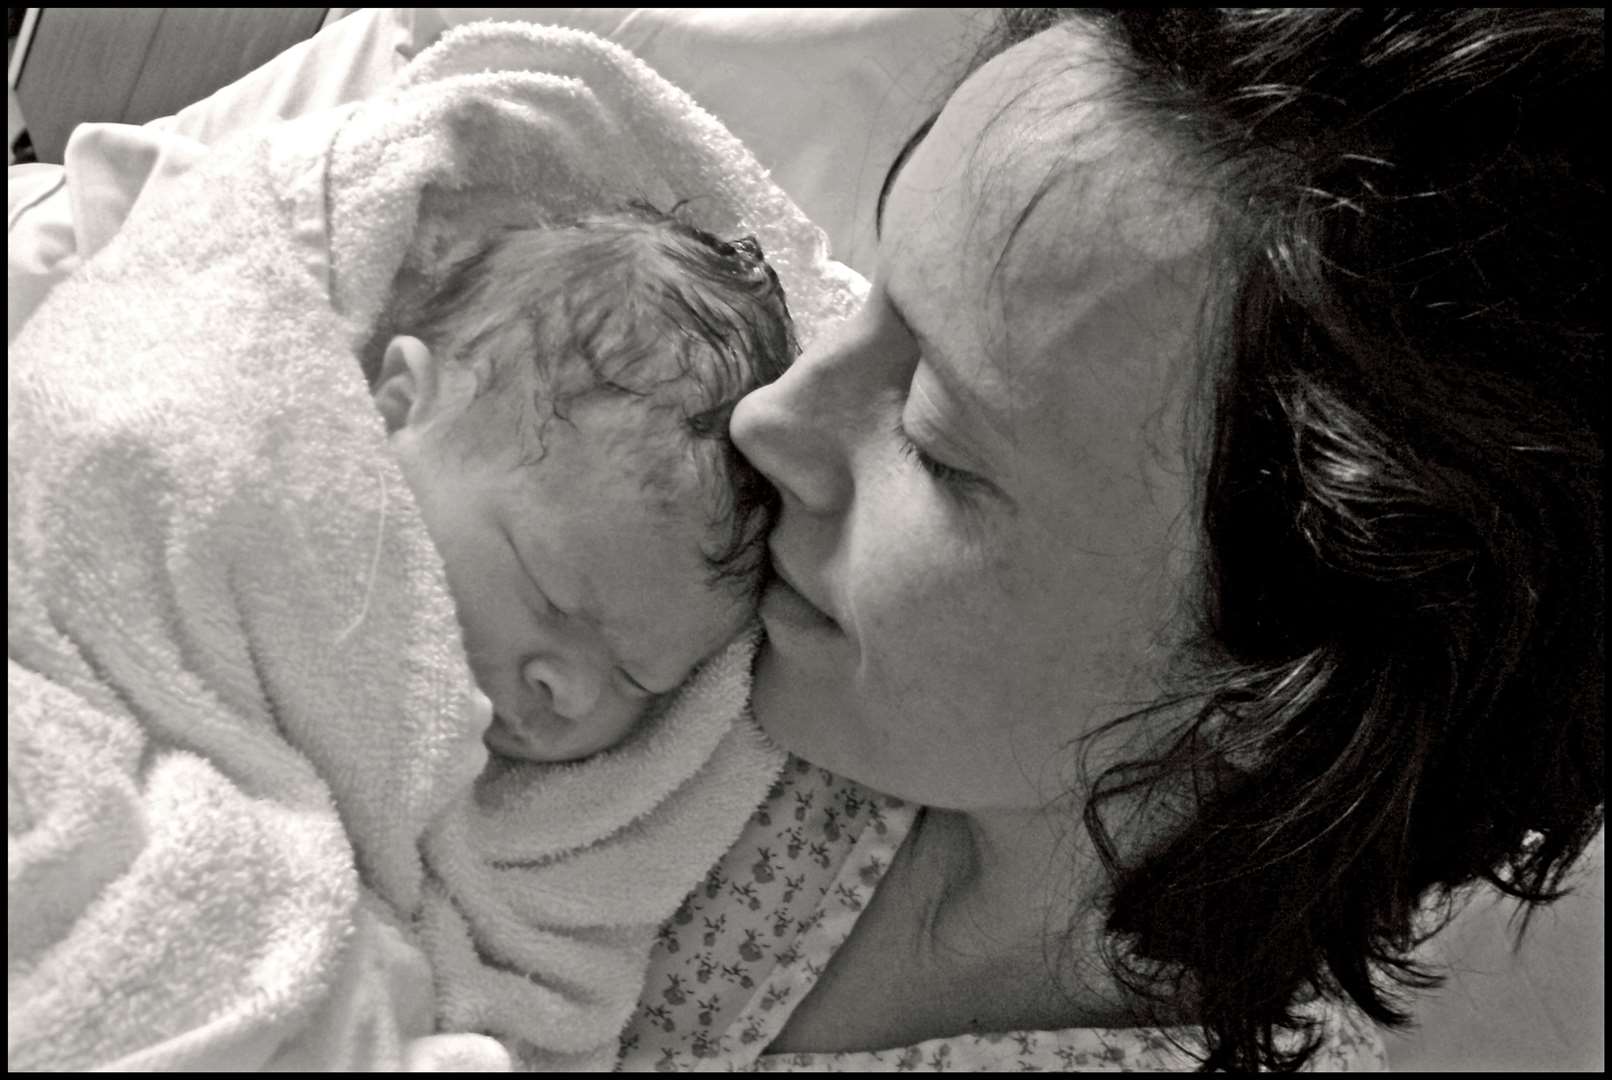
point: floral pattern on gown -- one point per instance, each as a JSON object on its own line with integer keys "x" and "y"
{"x": 747, "y": 946}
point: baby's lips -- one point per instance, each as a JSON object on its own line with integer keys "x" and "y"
{"x": 499, "y": 736}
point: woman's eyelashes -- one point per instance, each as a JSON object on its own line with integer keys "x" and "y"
{"x": 954, "y": 480}
{"x": 957, "y": 482}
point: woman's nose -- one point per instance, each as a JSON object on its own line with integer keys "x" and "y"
{"x": 570, "y": 684}
{"x": 792, "y": 432}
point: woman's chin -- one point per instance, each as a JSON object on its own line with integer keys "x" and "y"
{"x": 794, "y": 709}
{"x": 787, "y": 615}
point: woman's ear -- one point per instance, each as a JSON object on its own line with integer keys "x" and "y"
{"x": 408, "y": 389}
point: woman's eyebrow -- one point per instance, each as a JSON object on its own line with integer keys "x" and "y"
{"x": 895, "y": 167}
{"x": 942, "y": 367}
{"x": 922, "y": 341}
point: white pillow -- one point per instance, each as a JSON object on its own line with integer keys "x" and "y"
{"x": 823, "y": 97}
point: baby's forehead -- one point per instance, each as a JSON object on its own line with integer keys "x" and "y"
{"x": 644, "y": 440}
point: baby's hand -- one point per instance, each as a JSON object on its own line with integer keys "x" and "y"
{"x": 456, "y": 1053}
{"x": 481, "y": 710}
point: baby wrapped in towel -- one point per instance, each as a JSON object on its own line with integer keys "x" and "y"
{"x": 559, "y": 404}
{"x": 253, "y": 821}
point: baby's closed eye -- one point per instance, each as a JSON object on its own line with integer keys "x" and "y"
{"x": 634, "y": 685}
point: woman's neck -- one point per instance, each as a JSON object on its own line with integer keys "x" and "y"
{"x": 1012, "y": 898}
{"x": 962, "y": 937}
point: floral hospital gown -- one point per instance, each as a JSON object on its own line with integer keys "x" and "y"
{"x": 747, "y": 946}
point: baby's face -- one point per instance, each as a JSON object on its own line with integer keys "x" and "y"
{"x": 581, "y": 596}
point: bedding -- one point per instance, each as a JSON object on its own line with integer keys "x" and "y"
{"x": 822, "y": 98}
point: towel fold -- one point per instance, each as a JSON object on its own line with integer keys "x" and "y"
{"x": 244, "y": 748}
{"x": 530, "y": 943}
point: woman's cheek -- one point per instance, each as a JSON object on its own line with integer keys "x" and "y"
{"x": 908, "y": 574}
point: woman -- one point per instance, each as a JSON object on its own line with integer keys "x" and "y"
{"x": 1201, "y": 522}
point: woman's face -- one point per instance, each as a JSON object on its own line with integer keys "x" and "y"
{"x": 960, "y": 626}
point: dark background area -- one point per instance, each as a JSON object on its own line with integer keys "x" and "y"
{"x": 131, "y": 65}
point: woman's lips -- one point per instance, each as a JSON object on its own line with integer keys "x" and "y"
{"x": 781, "y": 574}
{"x": 782, "y": 603}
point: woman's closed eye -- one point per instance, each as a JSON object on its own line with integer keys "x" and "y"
{"x": 958, "y": 482}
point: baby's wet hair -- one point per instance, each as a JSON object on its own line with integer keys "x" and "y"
{"x": 599, "y": 305}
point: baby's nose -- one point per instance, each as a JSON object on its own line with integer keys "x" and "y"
{"x": 571, "y": 686}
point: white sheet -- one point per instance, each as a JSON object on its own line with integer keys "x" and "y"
{"x": 824, "y": 98}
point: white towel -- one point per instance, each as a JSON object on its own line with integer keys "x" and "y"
{"x": 238, "y": 708}
{"x": 551, "y": 882}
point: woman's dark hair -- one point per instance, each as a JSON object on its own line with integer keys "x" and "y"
{"x": 1397, "y": 684}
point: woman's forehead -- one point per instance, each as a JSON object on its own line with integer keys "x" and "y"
{"x": 1030, "y": 210}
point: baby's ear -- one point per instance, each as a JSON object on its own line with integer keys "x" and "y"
{"x": 406, "y": 389}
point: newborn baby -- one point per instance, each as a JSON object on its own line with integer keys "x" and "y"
{"x": 559, "y": 405}
{"x": 253, "y": 821}
{"x": 243, "y": 755}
